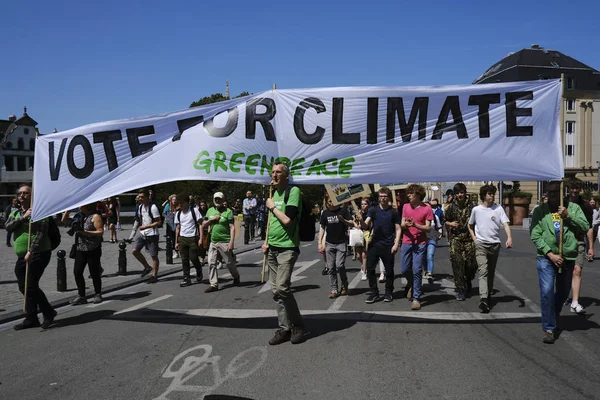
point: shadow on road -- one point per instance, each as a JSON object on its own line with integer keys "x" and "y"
{"x": 8, "y": 282}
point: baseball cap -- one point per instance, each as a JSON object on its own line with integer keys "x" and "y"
{"x": 219, "y": 195}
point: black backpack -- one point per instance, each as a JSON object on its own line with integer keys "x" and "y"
{"x": 53, "y": 233}
{"x": 178, "y": 217}
{"x": 307, "y": 221}
{"x": 160, "y": 214}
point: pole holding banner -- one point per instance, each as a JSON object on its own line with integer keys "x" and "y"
{"x": 560, "y": 241}
{"x": 29, "y": 241}
{"x": 262, "y": 274}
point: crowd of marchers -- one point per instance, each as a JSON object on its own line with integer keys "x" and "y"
{"x": 374, "y": 233}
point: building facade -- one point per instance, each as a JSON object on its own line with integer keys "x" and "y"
{"x": 17, "y": 146}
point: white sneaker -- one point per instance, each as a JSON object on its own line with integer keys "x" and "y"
{"x": 577, "y": 309}
{"x": 363, "y": 277}
{"x": 176, "y": 255}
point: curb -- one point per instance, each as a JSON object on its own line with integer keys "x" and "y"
{"x": 14, "y": 315}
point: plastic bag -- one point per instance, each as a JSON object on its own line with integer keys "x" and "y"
{"x": 356, "y": 238}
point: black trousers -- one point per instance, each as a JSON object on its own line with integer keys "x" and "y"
{"x": 36, "y": 298}
{"x": 249, "y": 220}
{"x": 387, "y": 258}
{"x": 92, "y": 260}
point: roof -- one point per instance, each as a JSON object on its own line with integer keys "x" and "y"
{"x": 539, "y": 63}
{"x": 26, "y": 120}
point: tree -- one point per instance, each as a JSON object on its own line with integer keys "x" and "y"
{"x": 215, "y": 98}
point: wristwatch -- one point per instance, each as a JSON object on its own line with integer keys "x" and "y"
{"x": 272, "y": 208}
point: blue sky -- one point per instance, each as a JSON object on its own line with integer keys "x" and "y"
{"x": 76, "y": 62}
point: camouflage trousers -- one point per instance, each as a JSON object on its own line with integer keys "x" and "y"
{"x": 464, "y": 263}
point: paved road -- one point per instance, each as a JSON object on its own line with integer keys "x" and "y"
{"x": 165, "y": 342}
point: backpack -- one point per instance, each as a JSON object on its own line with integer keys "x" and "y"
{"x": 160, "y": 214}
{"x": 306, "y": 222}
{"x": 53, "y": 233}
{"x": 178, "y": 218}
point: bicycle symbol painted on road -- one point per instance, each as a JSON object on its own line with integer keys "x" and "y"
{"x": 242, "y": 366}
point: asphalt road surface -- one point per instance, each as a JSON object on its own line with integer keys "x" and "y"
{"x": 165, "y": 342}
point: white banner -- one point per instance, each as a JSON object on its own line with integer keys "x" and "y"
{"x": 507, "y": 131}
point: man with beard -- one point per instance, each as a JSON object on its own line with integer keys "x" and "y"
{"x": 462, "y": 247}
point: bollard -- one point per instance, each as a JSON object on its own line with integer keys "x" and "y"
{"x": 61, "y": 271}
{"x": 122, "y": 258}
{"x": 169, "y": 250}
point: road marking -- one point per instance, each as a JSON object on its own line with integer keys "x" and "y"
{"x": 567, "y": 336}
{"x": 300, "y": 267}
{"x": 351, "y": 315}
{"x": 144, "y": 304}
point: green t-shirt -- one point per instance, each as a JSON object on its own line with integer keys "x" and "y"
{"x": 219, "y": 232}
{"x": 21, "y": 234}
{"x": 279, "y": 235}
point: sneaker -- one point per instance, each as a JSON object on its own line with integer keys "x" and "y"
{"x": 27, "y": 323}
{"x": 211, "y": 289}
{"x": 484, "y": 306}
{"x": 98, "y": 299}
{"x": 373, "y": 298}
{"x": 176, "y": 255}
{"x": 460, "y": 296}
{"x": 577, "y": 309}
{"x": 429, "y": 277}
{"x": 48, "y": 321}
{"x": 388, "y": 297}
{"x": 152, "y": 279}
{"x": 548, "y": 337}
{"x": 344, "y": 292}
{"x": 128, "y": 240}
{"x": 145, "y": 272}
{"x": 333, "y": 294}
{"x": 78, "y": 301}
{"x": 382, "y": 277}
{"x": 363, "y": 277}
{"x": 236, "y": 281}
{"x": 415, "y": 305}
{"x": 198, "y": 278}
{"x": 297, "y": 335}
{"x": 281, "y": 336}
{"x": 325, "y": 271}
{"x": 185, "y": 282}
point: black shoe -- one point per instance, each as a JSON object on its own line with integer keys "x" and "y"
{"x": 388, "y": 297}
{"x": 48, "y": 321}
{"x": 373, "y": 298}
{"x": 8, "y": 245}
{"x": 548, "y": 337}
{"x": 246, "y": 242}
{"x": 146, "y": 271}
{"x": 77, "y": 301}
{"x": 128, "y": 240}
{"x": 484, "y": 306}
{"x": 281, "y": 336}
{"x": 27, "y": 323}
{"x": 152, "y": 279}
{"x": 325, "y": 271}
{"x": 297, "y": 336}
{"x": 185, "y": 282}
{"x": 236, "y": 281}
{"x": 198, "y": 278}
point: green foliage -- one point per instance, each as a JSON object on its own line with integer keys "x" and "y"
{"x": 516, "y": 191}
{"x": 215, "y": 98}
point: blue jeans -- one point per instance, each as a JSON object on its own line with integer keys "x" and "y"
{"x": 553, "y": 302}
{"x": 431, "y": 246}
{"x": 413, "y": 258}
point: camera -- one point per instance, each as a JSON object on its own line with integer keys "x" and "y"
{"x": 76, "y": 224}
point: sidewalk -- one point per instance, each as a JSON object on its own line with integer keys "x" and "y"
{"x": 11, "y": 300}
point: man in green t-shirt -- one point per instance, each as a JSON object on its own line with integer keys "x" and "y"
{"x": 282, "y": 249}
{"x": 222, "y": 235}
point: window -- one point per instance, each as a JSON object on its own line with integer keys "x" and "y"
{"x": 9, "y": 163}
{"x": 31, "y": 144}
{"x": 570, "y": 105}
{"x": 21, "y": 164}
{"x": 26, "y": 131}
{"x": 570, "y": 83}
{"x": 570, "y": 127}
{"x": 30, "y": 162}
{"x": 20, "y": 144}
{"x": 569, "y": 150}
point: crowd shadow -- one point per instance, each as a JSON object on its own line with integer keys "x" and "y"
{"x": 116, "y": 274}
{"x": 589, "y": 302}
{"x": 430, "y": 300}
{"x": 128, "y": 296}
{"x": 507, "y": 299}
{"x": 8, "y": 282}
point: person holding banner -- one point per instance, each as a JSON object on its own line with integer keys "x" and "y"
{"x": 282, "y": 249}
{"x": 462, "y": 247}
{"x": 416, "y": 222}
{"x": 37, "y": 255}
{"x": 555, "y": 270}
{"x": 385, "y": 223}
{"x": 335, "y": 221}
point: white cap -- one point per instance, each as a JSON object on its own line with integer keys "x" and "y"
{"x": 219, "y": 195}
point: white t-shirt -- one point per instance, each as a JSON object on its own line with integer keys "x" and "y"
{"x": 186, "y": 220}
{"x": 146, "y": 220}
{"x": 488, "y": 221}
